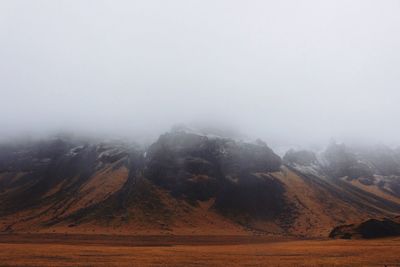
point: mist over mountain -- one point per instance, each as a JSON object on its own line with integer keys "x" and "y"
{"x": 291, "y": 74}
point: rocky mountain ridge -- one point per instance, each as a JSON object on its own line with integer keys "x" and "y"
{"x": 190, "y": 183}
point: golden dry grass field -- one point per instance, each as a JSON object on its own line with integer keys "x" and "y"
{"x": 228, "y": 251}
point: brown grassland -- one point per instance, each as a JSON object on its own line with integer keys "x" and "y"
{"x": 69, "y": 250}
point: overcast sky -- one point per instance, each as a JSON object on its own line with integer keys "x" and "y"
{"x": 290, "y": 72}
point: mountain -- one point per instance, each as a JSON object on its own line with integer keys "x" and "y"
{"x": 189, "y": 182}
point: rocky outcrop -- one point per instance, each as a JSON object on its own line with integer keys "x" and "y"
{"x": 372, "y": 228}
{"x": 300, "y": 157}
{"x": 196, "y": 167}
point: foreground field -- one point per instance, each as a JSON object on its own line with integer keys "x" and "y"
{"x": 46, "y": 251}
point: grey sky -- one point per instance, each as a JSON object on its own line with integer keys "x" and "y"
{"x": 290, "y": 72}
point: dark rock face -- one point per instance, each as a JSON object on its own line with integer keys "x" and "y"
{"x": 383, "y": 160}
{"x": 342, "y": 162}
{"x": 196, "y": 167}
{"x": 182, "y": 162}
{"x": 371, "y": 228}
{"x": 259, "y": 197}
{"x": 243, "y": 157}
{"x": 301, "y": 157}
{"x": 195, "y": 154}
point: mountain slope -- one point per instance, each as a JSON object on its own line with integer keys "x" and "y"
{"x": 184, "y": 183}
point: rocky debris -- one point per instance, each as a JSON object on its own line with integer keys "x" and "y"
{"x": 372, "y": 228}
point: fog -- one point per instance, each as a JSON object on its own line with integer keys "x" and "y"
{"x": 294, "y": 73}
